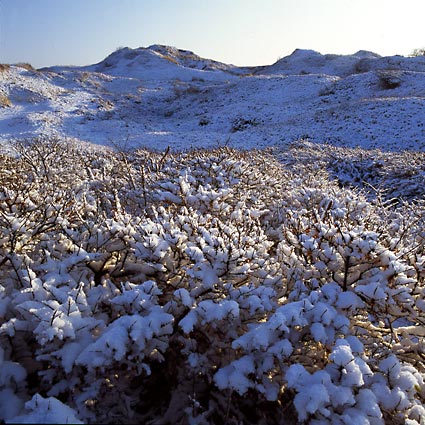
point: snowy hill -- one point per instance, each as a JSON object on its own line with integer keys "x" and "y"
{"x": 129, "y": 61}
{"x": 161, "y": 62}
{"x": 311, "y": 62}
{"x": 162, "y": 96}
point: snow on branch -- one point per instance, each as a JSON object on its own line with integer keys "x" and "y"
{"x": 203, "y": 287}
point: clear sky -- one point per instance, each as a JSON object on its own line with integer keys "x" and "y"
{"x": 241, "y": 32}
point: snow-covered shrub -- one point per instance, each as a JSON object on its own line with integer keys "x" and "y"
{"x": 40, "y": 410}
{"x": 393, "y": 176}
{"x": 205, "y": 287}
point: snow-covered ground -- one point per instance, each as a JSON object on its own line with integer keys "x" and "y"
{"x": 162, "y": 96}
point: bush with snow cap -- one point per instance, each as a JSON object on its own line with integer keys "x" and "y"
{"x": 205, "y": 287}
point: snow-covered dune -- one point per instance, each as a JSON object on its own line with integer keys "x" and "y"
{"x": 162, "y": 96}
{"x": 312, "y": 62}
{"x": 159, "y": 62}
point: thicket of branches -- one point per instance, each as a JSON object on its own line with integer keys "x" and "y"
{"x": 204, "y": 287}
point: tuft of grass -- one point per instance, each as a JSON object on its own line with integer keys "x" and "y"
{"x": 180, "y": 89}
{"x": 5, "y": 101}
{"x": 170, "y": 59}
{"x": 26, "y": 66}
{"x": 4, "y": 67}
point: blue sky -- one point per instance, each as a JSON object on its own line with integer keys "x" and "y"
{"x": 242, "y": 32}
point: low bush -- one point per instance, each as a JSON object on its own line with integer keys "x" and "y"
{"x": 389, "y": 79}
{"x": 205, "y": 287}
{"x": 418, "y": 52}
